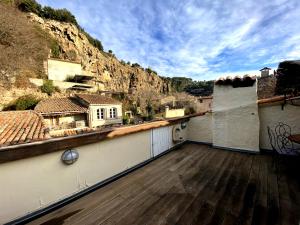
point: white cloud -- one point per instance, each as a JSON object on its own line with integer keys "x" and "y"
{"x": 199, "y": 39}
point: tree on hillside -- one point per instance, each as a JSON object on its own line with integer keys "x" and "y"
{"x": 62, "y": 15}
{"x": 29, "y": 6}
{"x": 179, "y": 83}
{"x": 288, "y": 78}
{"x": 197, "y": 88}
{"x": 135, "y": 65}
{"x": 200, "y": 88}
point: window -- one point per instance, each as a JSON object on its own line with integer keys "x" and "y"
{"x": 100, "y": 114}
{"x": 113, "y": 112}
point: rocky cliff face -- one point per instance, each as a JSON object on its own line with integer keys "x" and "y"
{"x": 104, "y": 66}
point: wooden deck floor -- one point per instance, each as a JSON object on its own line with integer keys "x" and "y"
{"x": 195, "y": 184}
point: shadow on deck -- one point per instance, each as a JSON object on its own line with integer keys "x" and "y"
{"x": 195, "y": 184}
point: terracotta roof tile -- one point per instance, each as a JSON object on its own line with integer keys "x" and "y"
{"x": 71, "y": 132}
{"x": 97, "y": 99}
{"x": 237, "y": 81}
{"x": 18, "y": 127}
{"x": 60, "y": 106}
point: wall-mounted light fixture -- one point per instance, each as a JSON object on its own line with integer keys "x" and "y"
{"x": 183, "y": 125}
{"x": 69, "y": 156}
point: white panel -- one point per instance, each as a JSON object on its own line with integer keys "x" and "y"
{"x": 161, "y": 140}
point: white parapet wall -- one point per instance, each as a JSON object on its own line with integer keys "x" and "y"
{"x": 45, "y": 180}
{"x": 235, "y": 118}
{"x": 172, "y": 113}
{"x": 271, "y": 115}
{"x": 60, "y": 70}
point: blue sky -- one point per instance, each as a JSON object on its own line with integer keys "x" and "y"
{"x": 198, "y": 39}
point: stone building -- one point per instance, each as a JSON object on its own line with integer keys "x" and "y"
{"x": 82, "y": 110}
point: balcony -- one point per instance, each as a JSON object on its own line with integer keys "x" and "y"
{"x": 194, "y": 184}
{"x": 209, "y": 168}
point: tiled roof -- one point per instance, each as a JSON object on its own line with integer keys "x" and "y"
{"x": 97, "y": 99}
{"x": 60, "y": 106}
{"x": 70, "y": 132}
{"x": 237, "y": 81}
{"x": 18, "y": 127}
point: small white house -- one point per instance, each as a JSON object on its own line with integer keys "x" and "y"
{"x": 82, "y": 110}
{"x": 102, "y": 110}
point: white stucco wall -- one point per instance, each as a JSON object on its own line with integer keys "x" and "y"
{"x": 63, "y": 85}
{"x": 271, "y": 114}
{"x": 30, "y": 184}
{"x": 71, "y": 118}
{"x": 106, "y": 121}
{"x": 67, "y": 119}
{"x": 60, "y": 70}
{"x": 205, "y": 105}
{"x": 235, "y": 118}
{"x": 200, "y": 128}
{"x": 172, "y": 113}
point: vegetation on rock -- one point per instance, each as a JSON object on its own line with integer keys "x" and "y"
{"x": 62, "y": 15}
{"x": 196, "y": 88}
{"x": 49, "y": 88}
{"x": 19, "y": 53}
{"x": 23, "y": 103}
{"x": 149, "y": 70}
{"x": 288, "y": 78}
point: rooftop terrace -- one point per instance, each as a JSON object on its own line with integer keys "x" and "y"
{"x": 194, "y": 184}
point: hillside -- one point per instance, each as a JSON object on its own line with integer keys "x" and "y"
{"x": 116, "y": 76}
{"x": 29, "y": 40}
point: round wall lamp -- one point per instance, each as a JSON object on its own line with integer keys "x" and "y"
{"x": 69, "y": 156}
{"x": 183, "y": 125}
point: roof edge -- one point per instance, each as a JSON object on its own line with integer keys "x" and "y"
{"x": 27, "y": 150}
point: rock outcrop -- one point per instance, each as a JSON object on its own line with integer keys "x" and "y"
{"x": 115, "y": 75}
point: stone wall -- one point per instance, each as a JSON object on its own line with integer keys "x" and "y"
{"x": 115, "y": 76}
{"x": 266, "y": 87}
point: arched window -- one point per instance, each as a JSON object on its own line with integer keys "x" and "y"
{"x": 100, "y": 114}
{"x": 113, "y": 113}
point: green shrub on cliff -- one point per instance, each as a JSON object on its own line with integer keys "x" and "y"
{"x": 62, "y": 15}
{"x": 48, "y": 87}
{"x": 25, "y": 102}
{"x": 29, "y": 6}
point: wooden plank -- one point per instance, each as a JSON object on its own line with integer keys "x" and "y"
{"x": 259, "y": 215}
{"x": 125, "y": 186}
{"x": 246, "y": 199}
{"x": 273, "y": 194}
{"x": 194, "y": 185}
{"x": 289, "y": 189}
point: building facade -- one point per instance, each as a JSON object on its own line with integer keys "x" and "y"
{"x": 82, "y": 110}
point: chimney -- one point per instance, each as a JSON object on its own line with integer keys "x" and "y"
{"x": 265, "y": 71}
{"x": 167, "y": 108}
